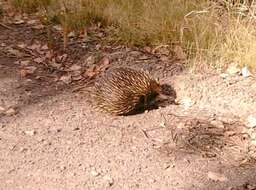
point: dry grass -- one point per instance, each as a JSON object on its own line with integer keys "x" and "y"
{"x": 217, "y": 32}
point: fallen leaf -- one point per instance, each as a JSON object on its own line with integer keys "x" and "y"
{"x": 251, "y": 121}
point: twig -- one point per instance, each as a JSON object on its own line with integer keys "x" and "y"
{"x": 5, "y": 26}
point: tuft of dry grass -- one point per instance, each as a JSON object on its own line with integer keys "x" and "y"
{"x": 217, "y": 32}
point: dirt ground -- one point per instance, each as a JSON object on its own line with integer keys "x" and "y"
{"x": 51, "y": 138}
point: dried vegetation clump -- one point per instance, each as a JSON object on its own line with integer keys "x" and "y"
{"x": 216, "y": 32}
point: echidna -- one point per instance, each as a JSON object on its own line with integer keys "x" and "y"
{"x": 124, "y": 91}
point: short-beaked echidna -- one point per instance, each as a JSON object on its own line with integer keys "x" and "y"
{"x": 124, "y": 91}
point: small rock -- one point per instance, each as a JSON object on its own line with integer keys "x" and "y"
{"x": 30, "y": 132}
{"x": 216, "y": 177}
{"x": 233, "y": 69}
{"x": 251, "y": 121}
{"x": 66, "y": 79}
{"x": 10, "y": 112}
{"x": 187, "y": 102}
{"x": 245, "y": 72}
{"x": 94, "y": 173}
{"x": 63, "y": 168}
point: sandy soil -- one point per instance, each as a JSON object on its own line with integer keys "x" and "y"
{"x": 51, "y": 138}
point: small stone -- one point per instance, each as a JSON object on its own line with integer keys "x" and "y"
{"x": 216, "y": 176}
{"x": 187, "y": 102}
{"x": 95, "y": 173}
{"x": 63, "y": 168}
{"x": 251, "y": 121}
{"x": 245, "y": 72}
{"x": 30, "y": 132}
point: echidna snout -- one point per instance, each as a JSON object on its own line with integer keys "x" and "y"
{"x": 123, "y": 91}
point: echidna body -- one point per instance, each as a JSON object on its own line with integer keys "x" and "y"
{"x": 122, "y": 91}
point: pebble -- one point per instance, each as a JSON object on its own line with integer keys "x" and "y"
{"x": 30, "y": 132}
{"x": 187, "y": 102}
{"x": 251, "y": 121}
{"x": 245, "y": 72}
{"x": 94, "y": 173}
